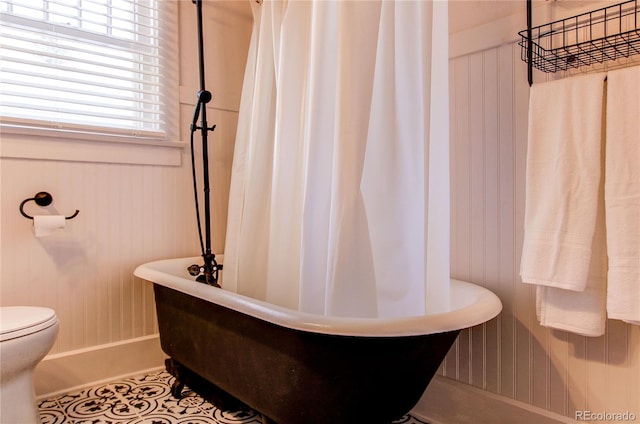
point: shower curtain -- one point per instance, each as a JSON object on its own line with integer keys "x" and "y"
{"x": 339, "y": 199}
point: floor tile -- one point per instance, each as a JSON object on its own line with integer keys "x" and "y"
{"x": 146, "y": 399}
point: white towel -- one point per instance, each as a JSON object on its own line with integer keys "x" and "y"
{"x": 622, "y": 194}
{"x": 562, "y": 180}
{"x": 582, "y": 312}
{"x": 563, "y": 191}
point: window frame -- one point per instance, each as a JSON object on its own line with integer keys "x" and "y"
{"x": 47, "y": 141}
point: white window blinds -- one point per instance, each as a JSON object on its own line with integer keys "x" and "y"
{"x": 89, "y": 66}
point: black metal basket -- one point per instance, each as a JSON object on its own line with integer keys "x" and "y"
{"x": 598, "y": 36}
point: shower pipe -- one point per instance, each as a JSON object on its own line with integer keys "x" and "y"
{"x": 207, "y": 273}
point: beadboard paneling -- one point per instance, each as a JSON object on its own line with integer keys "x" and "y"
{"x": 129, "y": 214}
{"x": 514, "y": 356}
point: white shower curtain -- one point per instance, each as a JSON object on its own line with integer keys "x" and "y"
{"x": 339, "y": 199}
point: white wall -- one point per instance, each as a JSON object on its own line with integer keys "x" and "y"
{"x": 513, "y": 356}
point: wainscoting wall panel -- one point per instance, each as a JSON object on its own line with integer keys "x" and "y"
{"x": 513, "y": 355}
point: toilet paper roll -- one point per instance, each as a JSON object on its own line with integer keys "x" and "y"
{"x": 44, "y": 225}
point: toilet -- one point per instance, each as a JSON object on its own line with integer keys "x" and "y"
{"x": 27, "y": 333}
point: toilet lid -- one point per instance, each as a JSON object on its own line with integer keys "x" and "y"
{"x": 18, "y": 321}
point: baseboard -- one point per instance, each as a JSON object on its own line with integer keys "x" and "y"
{"x": 449, "y": 402}
{"x": 78, "y": 369}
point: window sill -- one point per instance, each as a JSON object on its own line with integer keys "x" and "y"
{"x": 126, "y": 151}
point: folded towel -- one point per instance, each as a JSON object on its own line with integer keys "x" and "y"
{"x": 562, "y": 181}
{"x": 622, "y": 194}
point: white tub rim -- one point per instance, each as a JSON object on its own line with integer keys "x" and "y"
{"x": 478, "y": 306}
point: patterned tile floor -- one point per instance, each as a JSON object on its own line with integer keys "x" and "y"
{"x": 145, "y": 399}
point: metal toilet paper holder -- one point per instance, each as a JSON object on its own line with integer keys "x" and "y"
{"x": 42, "y": 198}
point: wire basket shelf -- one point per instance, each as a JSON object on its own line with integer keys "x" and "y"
{"x": 602, "y": 35}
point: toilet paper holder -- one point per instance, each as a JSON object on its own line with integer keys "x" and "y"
{"x": 42, "y": 198}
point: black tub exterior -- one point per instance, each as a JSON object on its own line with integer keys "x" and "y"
{"x": 296, "y": 377}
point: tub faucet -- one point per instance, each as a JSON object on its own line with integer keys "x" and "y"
{"x": 206, "y": 274}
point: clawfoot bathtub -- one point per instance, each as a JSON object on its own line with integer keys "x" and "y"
{"x": 296, "y": 367}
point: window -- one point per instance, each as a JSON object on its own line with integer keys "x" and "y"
{"x": 92, "y": 69}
